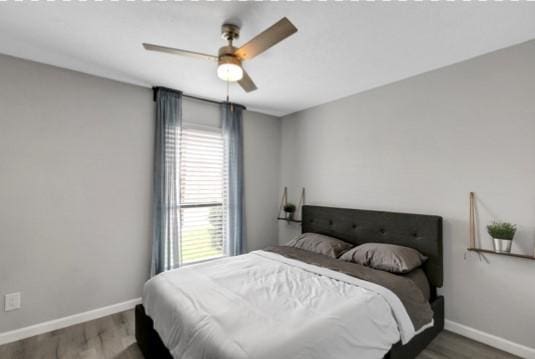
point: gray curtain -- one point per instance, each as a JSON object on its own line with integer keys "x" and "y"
{"x": 165, "y": 216}
{"x": 231, "y": 121}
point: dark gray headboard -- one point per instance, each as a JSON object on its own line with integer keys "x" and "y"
{"x": 357, "y": 226}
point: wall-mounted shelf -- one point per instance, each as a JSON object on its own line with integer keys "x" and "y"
{"x": 284, "y": 201}
{"x": 472, "y": 241}
{"x": 289, "y": 220}
{"x": 501, "y": 253}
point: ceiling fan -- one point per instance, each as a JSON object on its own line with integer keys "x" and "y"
{"x": 230, "y": 58}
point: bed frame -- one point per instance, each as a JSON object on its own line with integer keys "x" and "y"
{"x": 422, "y": 232}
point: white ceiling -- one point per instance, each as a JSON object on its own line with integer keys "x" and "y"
{"x": 340, "y": 49}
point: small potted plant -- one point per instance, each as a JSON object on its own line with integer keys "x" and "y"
{"x": 289, "y": 209}
{"x": 502, "y": 234}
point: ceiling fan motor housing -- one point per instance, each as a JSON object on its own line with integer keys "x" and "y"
{"x": 226, "y": 56}
{"x": 229, "y": 60}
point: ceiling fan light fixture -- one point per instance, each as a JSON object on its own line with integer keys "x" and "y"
{"x": 229, "y": 69}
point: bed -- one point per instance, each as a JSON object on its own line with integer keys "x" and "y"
{"x": 297, "y": 319}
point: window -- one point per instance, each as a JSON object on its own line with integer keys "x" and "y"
{"x": 202, "y": 194}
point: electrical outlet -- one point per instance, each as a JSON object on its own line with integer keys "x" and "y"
{"x": 12, "y": 301}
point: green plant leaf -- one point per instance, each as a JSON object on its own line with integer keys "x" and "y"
{"x": 501, "y": 230}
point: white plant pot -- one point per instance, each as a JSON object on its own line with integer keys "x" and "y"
{"x": 502, "y": 245}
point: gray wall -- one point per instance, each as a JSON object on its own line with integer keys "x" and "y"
{"x": 262, "y": 144}
{"x": 420, "y": 145}
{"x": 75, "y": 185}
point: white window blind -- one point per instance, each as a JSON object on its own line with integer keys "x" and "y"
{"x": 202, "y": 195}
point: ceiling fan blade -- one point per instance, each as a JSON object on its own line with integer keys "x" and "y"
{"x": 170, "y": 50}
{"x": 246, "y": 83}
{"x": 266, "y": 39}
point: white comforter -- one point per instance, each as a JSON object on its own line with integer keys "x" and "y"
{"x": 265, "y": 306}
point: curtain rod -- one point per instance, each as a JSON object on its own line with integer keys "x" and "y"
{"x": 155, "y": 91}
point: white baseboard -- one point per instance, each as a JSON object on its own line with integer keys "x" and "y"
{"x": 26, "y": 332}
{"x": 491, "y": 340}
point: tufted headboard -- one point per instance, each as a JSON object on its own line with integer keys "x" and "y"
{"x": 357, "y": 226}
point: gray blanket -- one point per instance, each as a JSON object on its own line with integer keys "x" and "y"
{"x": 406, "y": 290}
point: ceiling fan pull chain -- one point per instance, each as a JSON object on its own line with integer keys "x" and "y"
{"x": 228, "y": 100}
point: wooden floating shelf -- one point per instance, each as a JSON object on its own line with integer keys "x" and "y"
{"x": 288, "y": 220}
{"x": 501, "y": 253}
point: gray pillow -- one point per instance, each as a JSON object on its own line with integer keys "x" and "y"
{"x": 387, "y": 257}
{"x": 321, "y": 244}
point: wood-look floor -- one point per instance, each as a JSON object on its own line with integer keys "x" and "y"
{"x": 113, "y": 337}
